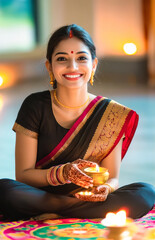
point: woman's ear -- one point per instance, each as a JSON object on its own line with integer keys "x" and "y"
{"x": 95, "y": 62}
{"x": 48, "y": 66}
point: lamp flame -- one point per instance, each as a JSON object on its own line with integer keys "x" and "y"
{"x": 97, "y": 168}
{"x": 121, "y": 218}
{"x": 112, "y": 219}
{"x": 85, "y": 193}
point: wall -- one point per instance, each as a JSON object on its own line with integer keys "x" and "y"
{"x": 111, "y": 23}
{"x": 151, "y": 49}
{"x": 117, "y": 22}
{"x": 56, "y": 13}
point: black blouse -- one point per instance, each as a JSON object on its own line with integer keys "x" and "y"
{"x": 36, "y": 119}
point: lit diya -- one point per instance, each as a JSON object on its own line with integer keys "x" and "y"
{"x": 85, "y": 193}
{"x": 118, "y": 225}
{"x": 99, "y": 174}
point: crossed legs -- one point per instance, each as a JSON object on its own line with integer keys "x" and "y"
{"x": 20, "y": 201}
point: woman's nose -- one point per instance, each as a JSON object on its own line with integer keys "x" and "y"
{"x": 72, "y": 64}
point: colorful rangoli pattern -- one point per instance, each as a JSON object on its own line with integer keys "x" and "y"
{"x": 148, "y": 221}
{"x": 68, "y": 229}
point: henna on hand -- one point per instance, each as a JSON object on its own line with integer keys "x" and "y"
{"x": 73, "y": 172}
{"x": 101, "y": 189}
{"x": 100, "y": 194}
{"x": 92, "y": 198}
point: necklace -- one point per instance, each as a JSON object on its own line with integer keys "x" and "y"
{"x": 55, "y": 97}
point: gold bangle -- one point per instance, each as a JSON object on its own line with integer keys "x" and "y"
{"x": 111, "y": 188}
{"x": 62, "y": 179}
{"x": 55, "y": 176}
{"x": 49, "y": 176}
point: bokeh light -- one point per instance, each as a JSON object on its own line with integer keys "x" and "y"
{"x": 130, "y": 48}
{"x": 8, "y": 75}
{"x": 1, "y": 81}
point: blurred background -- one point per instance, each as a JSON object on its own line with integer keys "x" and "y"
{"x": 124, "y": 35}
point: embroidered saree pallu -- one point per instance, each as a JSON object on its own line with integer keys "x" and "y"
{"x": 95, "y": 134}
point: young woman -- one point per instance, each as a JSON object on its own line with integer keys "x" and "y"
{"x": 60, "y": 132}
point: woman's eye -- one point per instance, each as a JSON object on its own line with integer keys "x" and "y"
{"x": 82, "y": 58}
{"x": 61, "y": 59}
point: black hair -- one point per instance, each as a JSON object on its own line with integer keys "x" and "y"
{"x": 64, "y": 33}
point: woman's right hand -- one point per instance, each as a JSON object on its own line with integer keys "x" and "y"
{"x": 73, "y": 172}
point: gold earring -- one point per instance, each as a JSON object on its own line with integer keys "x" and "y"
{"x": 92, "y": 78}
{"x": 51, "y": 79}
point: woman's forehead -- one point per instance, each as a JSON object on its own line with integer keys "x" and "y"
{"x": 71, "y": 45}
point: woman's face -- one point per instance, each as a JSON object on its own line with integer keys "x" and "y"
{"x": 72, "y": 63}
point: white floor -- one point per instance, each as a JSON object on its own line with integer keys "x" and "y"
{"x": 139, "y": 162}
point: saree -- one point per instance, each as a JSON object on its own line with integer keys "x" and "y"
{"x": 94, "y": 135}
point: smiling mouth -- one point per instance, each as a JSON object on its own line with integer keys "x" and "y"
{"x": 72, "y": 76}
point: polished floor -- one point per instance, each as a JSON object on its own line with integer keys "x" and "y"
{"x": 139, "y": 162}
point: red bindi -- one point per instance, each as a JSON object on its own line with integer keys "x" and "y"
{"x": 72, "y": 52}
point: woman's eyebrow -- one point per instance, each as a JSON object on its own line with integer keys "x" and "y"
{"x": 82, "y": 52}
{"x": 61, "y": 53}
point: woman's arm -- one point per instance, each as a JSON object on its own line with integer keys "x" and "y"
{"x": 25, "y": 157}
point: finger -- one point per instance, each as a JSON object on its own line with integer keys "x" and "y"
{"x": 101, "y": 189}
{"x": 94, "y": 190}
{"x": 98, "y": 198}
{"x": 86, "y": 183}
{"x": 105, "y": 189}
{"x": 83, "y": 184}
{"x": 84, "y": 163}
{"x": 79, "y": 178}
{"x": 81, "y": 175}
{"x": 93, "y": 164}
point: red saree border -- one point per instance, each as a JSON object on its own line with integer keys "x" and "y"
{"x": 133, "y": 117}
{"x": 71, "y": 133}
{"x": 116, "y": 121}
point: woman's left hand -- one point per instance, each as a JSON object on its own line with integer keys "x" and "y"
{"x": 99, "y": 194}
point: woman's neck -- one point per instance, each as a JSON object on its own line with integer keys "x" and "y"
{"x": 71, "y": 98}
